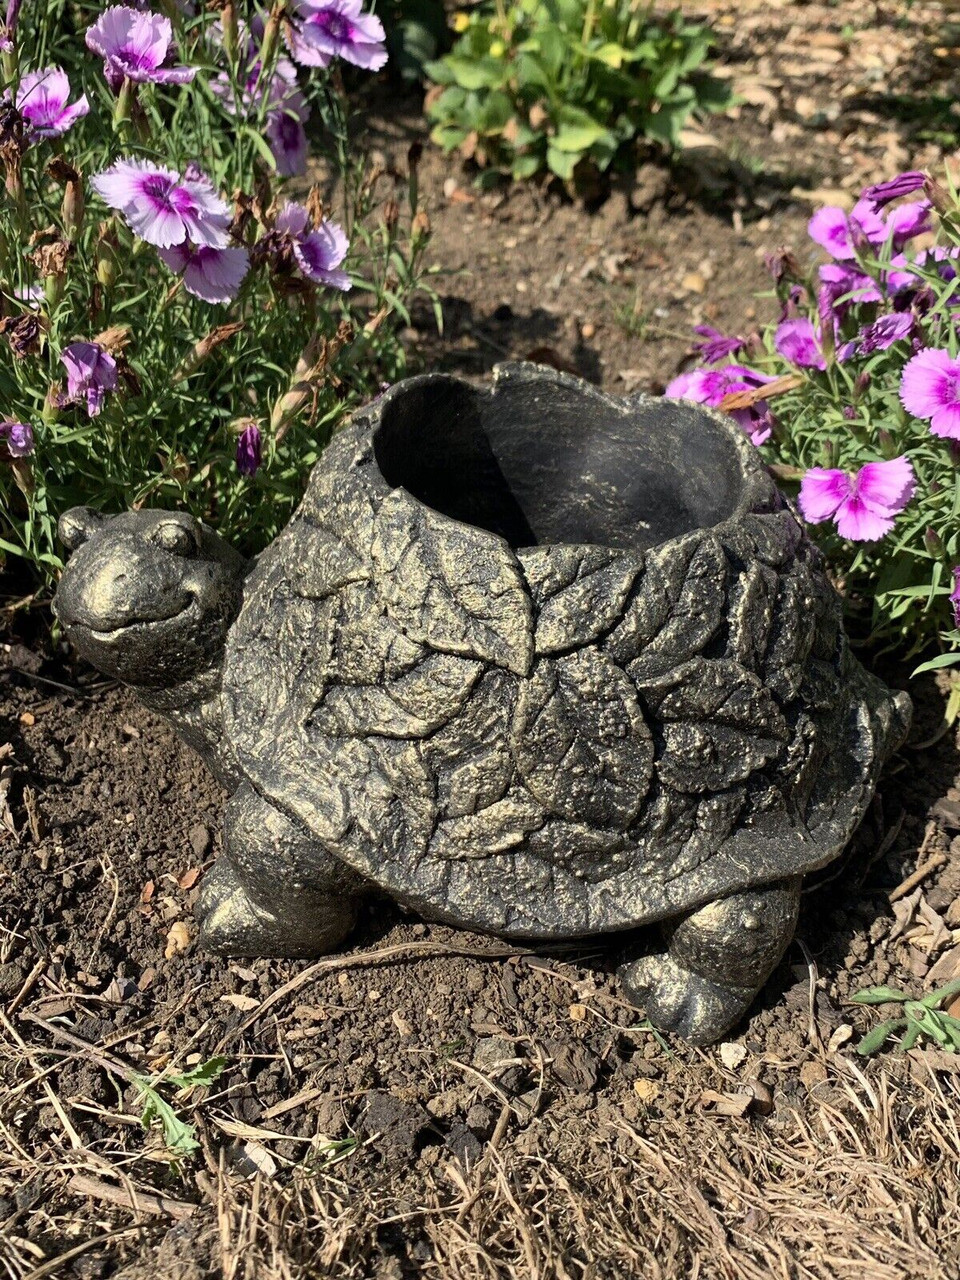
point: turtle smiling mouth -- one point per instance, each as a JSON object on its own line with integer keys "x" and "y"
{"x": 111, "y": 635}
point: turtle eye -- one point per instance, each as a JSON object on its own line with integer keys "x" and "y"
{"x": 178, "y": 538}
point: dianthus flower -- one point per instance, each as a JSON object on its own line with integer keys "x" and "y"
{"x": 321, "y": 30}
{"x": 163, "y": 208}
{"x": 930, "y": 388}
{"x": 135, "y": 46}
{"x": 861, "y": 505}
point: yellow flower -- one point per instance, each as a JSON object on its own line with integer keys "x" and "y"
{"x": 497, "y": 49}
{"x": 460, "y": 22}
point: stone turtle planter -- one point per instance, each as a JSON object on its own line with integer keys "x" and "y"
{"x": 531, "y": 659}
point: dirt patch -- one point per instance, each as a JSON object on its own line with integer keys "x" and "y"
{"x": 430, "y": 1102}
{"x": 426, "y": 1101}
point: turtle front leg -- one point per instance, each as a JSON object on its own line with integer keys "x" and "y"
{"x": 718, "y": 959}
{"x": 275, "y": 891}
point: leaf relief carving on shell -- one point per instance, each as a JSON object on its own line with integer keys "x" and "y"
{"x": 580, "y": 740}
{"x": 677, "y": 607}
{"x": 719, "y": 725}
{"x": 450, "y": 586}
{"x": 578, "y": 592}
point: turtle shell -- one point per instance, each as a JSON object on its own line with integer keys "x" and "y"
{"x": 547, "y": 663}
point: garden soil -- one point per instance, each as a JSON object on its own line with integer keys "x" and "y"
{"x": 430, "y": 1102}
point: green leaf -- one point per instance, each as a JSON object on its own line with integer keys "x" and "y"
{"x": 525, "y": 166}
{"x": 941, "y": 995}
{"x": 879, "y": 995}
{"x": 875, "y": 1039}
{"x": 576, "y": 130}
{"x": 482, "y": 73}
{"x": 177, "y": 1134}
{"x": 938, "y": 663}
{"x": 562, "y": 163}
{"x": 204, "y": 1074}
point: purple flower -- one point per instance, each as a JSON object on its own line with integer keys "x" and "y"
{"x": 41, "y": 99}
{"x": 249, "y": 451}
{"x": 715, "y": 346}
{"x": 321, "y": 30}
{"x": 712, "y": 386}
{"x": 163, "y": 208}
{"x": 862, "y": 505}
{"x": 882, "y": 193}
{"x": 287, "y": 108}
{"x": 842, "y": 234}
{"x": 844, "y": 287}
{"x": 955, "y": 596}
{"x": 9, "y": 29}
{"x": 909, "y": 220}
{"x": 318, "y": 253}
{"x": 798, "y": 342}
{"x": 287, "y": 137}
{"x": 135, "y": 45}
{"x": 91, "y": 373}
{"x": 884, "y": 332}
{"x": 215, "y": 275}
{"x": 18, "y": 437}
{"x": 930, "y": 388}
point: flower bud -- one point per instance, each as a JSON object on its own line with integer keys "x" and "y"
{"x": 861, "y": 382}
{"x": 231, "y": 31}
{"x": 106, "y": 257}
{"x": 72, "y": 209}
{"x": 828, "y": 452}
{"x": 268, "y": 44}
{"x": 391, "y": 214}
{"x": 888, "y": 446}
{"x": 934, "y": 543}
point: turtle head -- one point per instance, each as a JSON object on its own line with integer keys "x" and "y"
{"x": 147, "y": 596}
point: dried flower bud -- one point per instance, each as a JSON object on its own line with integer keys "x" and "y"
{"x": 391, "y": 214}
{"x": 51, "y": 259}
{"x": 419, "y": 228}
{"x": 939, "y": 196}
{"x": 113, "y": 339}
{"x": 201, "y": 349}
{"x": 315, "y": 205}
{"x": 22, "y": 333}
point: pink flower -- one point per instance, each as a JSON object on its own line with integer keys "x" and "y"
{"x": 163, "y": 208}
{"x": 712, "y": 386}
{"x": 843, "y": 287}
{"x": 798, "y": 342}
{"x": 249, "y": 451}
{"x": 41, "y": 99}
{"x": 908, "y": 220}
{"x": 955, "y": 596}
{"x": 903, "y": 184}
{"x": 862, "y": 505}
{"x": 843, "y": 234}
{"x": 18, "y": 437}
{"x": 930, "y": 388}
{"x": 135, "y": 45}
{"x": 321, "y": 30}
{"x": 318, "y": 253}
{"x": 91, "y": 373}
{"x": 215, "y": 275}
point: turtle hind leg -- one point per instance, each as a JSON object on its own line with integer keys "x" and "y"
{"x": 717, "y": 960}
{"x": 275, "y": 891}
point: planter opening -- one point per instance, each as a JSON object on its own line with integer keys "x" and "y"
{"x": 545, "y": 463}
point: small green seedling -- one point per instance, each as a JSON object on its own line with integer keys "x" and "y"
{"x": 922, "y": 1018}
{"x": 178, "y": 1135}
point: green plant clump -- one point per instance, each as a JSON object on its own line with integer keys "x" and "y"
{"x": 546, "y": 85}
{"x": 178, "y": 329}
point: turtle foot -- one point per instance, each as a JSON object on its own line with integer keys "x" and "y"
{"x": 677, "y": 1000}
{"x": 232, "y": 923}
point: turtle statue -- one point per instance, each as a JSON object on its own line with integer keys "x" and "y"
{"x": 531, "y": 659}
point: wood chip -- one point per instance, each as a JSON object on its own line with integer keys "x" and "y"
{"x": 178, "y": 939}
{"x": 129, "y": 1197}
